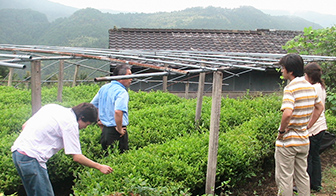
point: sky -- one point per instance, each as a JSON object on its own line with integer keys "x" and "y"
{"x": 151, "y": 6}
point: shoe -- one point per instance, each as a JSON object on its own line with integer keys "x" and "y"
{"x": 295, "y": 189}
{"x": 316, "y": 189}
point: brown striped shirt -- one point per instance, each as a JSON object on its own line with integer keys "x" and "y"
{"x": 299, "y": 96}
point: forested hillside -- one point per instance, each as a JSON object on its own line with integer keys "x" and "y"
{"x": 51, "y": 9}
{"x": 89, "y": 27}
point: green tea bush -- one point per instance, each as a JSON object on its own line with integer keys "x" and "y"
{"x": 168, "y": 153}
{"x": 71, "y": 96}
{"x": 161, "y": 123}
{"x": 331, "y": 121}
{"x": 180, "y": 164}
{"x": 236, "y": 111}
{"x": 9, "y": 178}
{"x": 158, "y": 169}
{"x": 143, "y": 100}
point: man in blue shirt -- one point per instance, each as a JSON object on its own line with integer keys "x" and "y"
{"x": 112, "y": 103}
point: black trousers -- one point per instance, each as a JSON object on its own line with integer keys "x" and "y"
{"x": 314, "y": 161}
{"x": 110, "y": 135}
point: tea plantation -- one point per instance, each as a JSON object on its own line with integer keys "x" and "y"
{"x": 168, "y": 154}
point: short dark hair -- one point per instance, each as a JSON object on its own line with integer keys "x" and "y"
{"x": 86, "y": 112}
{"x": 293, "y": 63}
{"x": 314, "y": 72}
{"x": 120, "y": 70}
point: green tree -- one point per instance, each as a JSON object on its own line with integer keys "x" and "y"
{"x": 319, "y": 42}
{"x": 3, "y": 72}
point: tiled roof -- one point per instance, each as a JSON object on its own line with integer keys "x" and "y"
{"x": 258, "y": 41}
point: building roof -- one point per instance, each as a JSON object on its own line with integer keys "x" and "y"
{"x": 246, "y": 41}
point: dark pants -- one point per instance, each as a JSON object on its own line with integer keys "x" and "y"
{"x": 314, "y": 161}
{"x": 110, "y": 135}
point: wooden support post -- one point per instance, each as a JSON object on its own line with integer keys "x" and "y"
{"x": 165, "y": 82}
{"x": 214, "y": 132}
{"x": 36, "y": 85}
{"x": 10, "y": 76}
{"x": 75, "y": 76}
{"x": 186, "y": 93}
{"x": 60, "y": 81}
{"x": 200, "y": 92}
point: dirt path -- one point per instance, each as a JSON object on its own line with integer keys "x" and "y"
{"x": 264, "y": 185}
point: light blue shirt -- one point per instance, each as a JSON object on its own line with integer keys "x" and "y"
{"x": 110, "y": 97}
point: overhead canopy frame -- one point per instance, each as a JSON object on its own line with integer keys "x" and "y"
{"x": 168, "y": 62}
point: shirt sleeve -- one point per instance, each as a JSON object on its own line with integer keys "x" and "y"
{"x": 95, "y": 100}
{"x": 287, "y": 100}
{"x": 121, "y": 102}
{"x": 71, "y": 140}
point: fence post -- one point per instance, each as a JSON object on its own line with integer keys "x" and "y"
{"x": 214, "y": 132}
{"x": 10, "y": 76}
{"x": 200, "y": 92}
{"x": 186, "y": 95}
{"x": 165, "y": 82}
{"x": 36, "y": 85}
{"x": 75, "y": 76}
{"x": 60, "y": 81}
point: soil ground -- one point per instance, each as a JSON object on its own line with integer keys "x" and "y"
{"x": 264, "y": 185}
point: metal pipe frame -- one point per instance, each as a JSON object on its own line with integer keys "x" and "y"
{"x": 12, "y": 65}
{"x": 109, "y": 78}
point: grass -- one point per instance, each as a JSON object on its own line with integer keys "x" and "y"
{"x": 329, "y": 180}
{"x": 328, "y": 173}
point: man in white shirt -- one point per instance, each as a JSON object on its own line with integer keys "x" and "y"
{"x": 51, "y": 129}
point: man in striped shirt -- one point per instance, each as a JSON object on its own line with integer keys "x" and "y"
{"x": 301, "y": 108}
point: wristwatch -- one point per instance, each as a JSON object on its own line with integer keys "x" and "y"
{"x": 282, "y": 132}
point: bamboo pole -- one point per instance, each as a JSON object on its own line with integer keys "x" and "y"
{"x": 36, "y": 85}
{"x": 60, "y": 81}
{"x": 214, "y": 133}
{"x": 75, "y": 76}
{"x": 200, "y": 92}
{"x": 10, "y": 76}
{"x": 165, "y": 82}
{"x": 186, "y": 95}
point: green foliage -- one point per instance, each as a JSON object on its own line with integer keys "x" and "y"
{"x": 15, "y": 106}
{"x": 317, "y": 42}
{"x": 22, "y": 26}
{"x": 168, "y": 154}
{"x": 9, "y": 178}
{"x": 331, "y": 102}
{"x": 71, "y": 96}
{"x": 331, "y": 121}
{"x": 3, "y": 72}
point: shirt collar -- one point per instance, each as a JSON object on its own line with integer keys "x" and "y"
{"x": 118, "y": 83}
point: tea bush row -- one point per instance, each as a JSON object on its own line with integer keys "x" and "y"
{"x": 158, "y": 121}
{"x": 179, "y": 165}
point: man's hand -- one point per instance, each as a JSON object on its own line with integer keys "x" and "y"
{"x": 280, "y": 135}
{"x": 105, "y": 169}
{"x": 100, "y": 125}
{"x": 79, "y": 158}
{"x": 122, "y": 131}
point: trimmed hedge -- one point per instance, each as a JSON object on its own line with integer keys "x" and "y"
{"x": 175, "y": 166}
{"x": 168, "y": 153}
